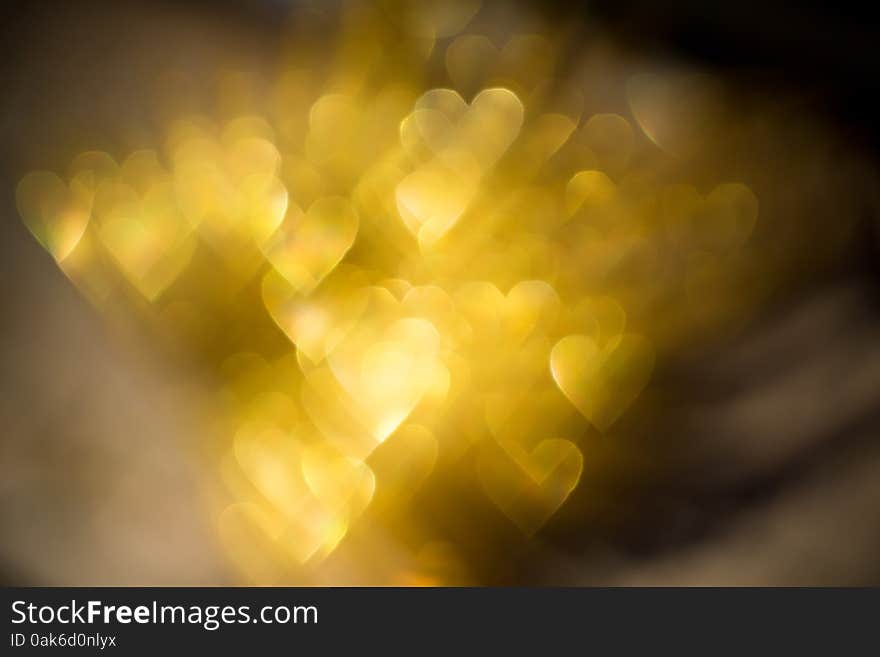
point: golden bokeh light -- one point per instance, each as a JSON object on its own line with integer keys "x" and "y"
{"x": 412, "y": 248}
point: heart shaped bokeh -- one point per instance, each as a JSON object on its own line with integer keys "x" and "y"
{"x": 377, "y": 278}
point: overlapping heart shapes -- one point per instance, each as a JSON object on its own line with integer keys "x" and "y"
{"x": 458, "y": 144}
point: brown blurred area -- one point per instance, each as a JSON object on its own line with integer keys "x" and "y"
{"x": 87, "y": 427}
{"x": 759, "y": 464}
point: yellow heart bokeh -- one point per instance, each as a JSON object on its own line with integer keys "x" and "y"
{"x": 529, "y": 487}
{"x": 344, "y": 485}
{"x": 313, "y": 492}
{"x": 144, "y": 235}
{"x": 317, "y": 323}
{"x": 602, "y": 382}
{"x": 55, "y": 213}
{"x": 306, "y": 247}
{"x": 380, "y": 279}
{"x": 469, "y": 142}
{"x": 388, "y": 372}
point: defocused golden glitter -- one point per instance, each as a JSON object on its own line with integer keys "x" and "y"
{"x": 379, "y": 273}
